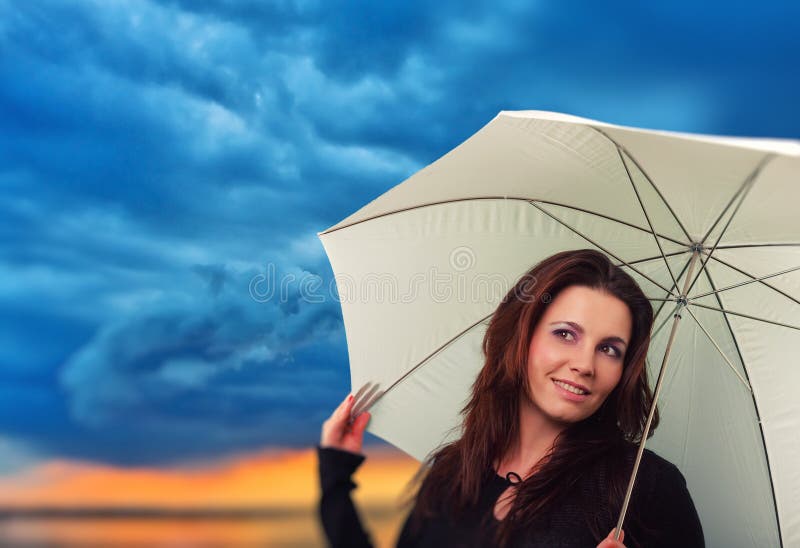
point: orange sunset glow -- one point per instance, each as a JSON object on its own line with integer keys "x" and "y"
{"x": 284, "y": 480}
{"x": 280, "y": 479}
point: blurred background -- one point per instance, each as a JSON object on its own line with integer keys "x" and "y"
{"x": 170, "y": 337}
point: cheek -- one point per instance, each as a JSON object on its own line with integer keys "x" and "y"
{"x": 543, "y": 353}
{"x": 538, "y": 366}
{"x": 614, "y": 378}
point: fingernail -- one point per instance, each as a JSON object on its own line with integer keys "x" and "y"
{"x": 350, "y": 397}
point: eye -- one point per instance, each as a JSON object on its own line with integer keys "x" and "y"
{"x": 558, "y": 333}
{"x": 615, "y": 353}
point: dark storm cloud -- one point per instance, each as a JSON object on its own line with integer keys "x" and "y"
{"x": 156, "y": 156}
{"x": 232, "y": 371}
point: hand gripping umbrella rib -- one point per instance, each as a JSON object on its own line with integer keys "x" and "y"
{"x": 708, "y": 226}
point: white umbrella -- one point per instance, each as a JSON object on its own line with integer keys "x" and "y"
{"x": 705, "y": 224}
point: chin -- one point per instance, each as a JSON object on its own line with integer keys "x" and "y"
{"x": 571, "y": 418}
{"x": 566, "y": 418}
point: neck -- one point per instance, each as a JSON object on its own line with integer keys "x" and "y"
{"x": 536, "y": 436}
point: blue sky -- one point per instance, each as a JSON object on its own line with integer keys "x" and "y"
{"x": 157, "y": 157}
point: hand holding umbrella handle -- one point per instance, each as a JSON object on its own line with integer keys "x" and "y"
{"x": 610, "y": 542}
{"x": 342, "y": 431}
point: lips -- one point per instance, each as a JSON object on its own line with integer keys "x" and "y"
{"x": 575, "y": 384}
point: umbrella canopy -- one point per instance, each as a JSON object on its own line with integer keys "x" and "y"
{"x": 420, "y": 270}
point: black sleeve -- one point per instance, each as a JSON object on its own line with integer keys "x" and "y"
{"x": 670, "y": 513}
{"x": 337, "y": 512}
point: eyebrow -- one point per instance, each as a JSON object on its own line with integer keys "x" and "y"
{"x": 580, "y": 329}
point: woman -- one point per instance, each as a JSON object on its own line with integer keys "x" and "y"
{"x": 550, "y": 430}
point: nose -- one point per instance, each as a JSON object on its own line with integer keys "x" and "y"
{"x": 583, "y": 363}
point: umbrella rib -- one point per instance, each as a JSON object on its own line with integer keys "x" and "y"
{"x": 748, "y": 184}
{"x": 747, "y": 282}
{"x": 730, "y": 328}
{"x": 704, "y": 260}
{"x": 674, "y": 286}
{"x": 726, "y": 311}
{"x": 512, "y": 198}
{"x": 646, "y": 216}
{"x": 666, "y": 319}
{"x": 755, "y": 403}
{"x": 647, "y": 177}
{"x": 654, "y": 257}
{"x": 776, "y": 244}
{"x": 576, "y": 231}
{"x": 673, "y": 240}
{"x": 737, "y": 269}
{"x": 427, "y": 358}
{"x": 710, "y": 338}
{"x": 750, "y": 177}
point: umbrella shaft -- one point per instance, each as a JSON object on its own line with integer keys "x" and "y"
{"x": 676, "y": 319}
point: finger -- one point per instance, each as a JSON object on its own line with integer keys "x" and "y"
{"x": 614, "y": 532}
{"x": 344, "y": 408}
{"x": 347, "y": 412}
{"x": 354, "y": 434}
{"x": 356, "y": 423}
{"x": 360, "y": 422}
{"x": 334, "y": 428}
{"x": 332, "y": 431}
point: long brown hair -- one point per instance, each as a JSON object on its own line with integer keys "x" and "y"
{"x": 456, "y": 472}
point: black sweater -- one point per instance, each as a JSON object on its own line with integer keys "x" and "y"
{"x": 660, "y": 502}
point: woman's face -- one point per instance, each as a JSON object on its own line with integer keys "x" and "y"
{"x": 576, "y": 353}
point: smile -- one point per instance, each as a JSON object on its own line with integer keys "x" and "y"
{"x": 571, "y": 392}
